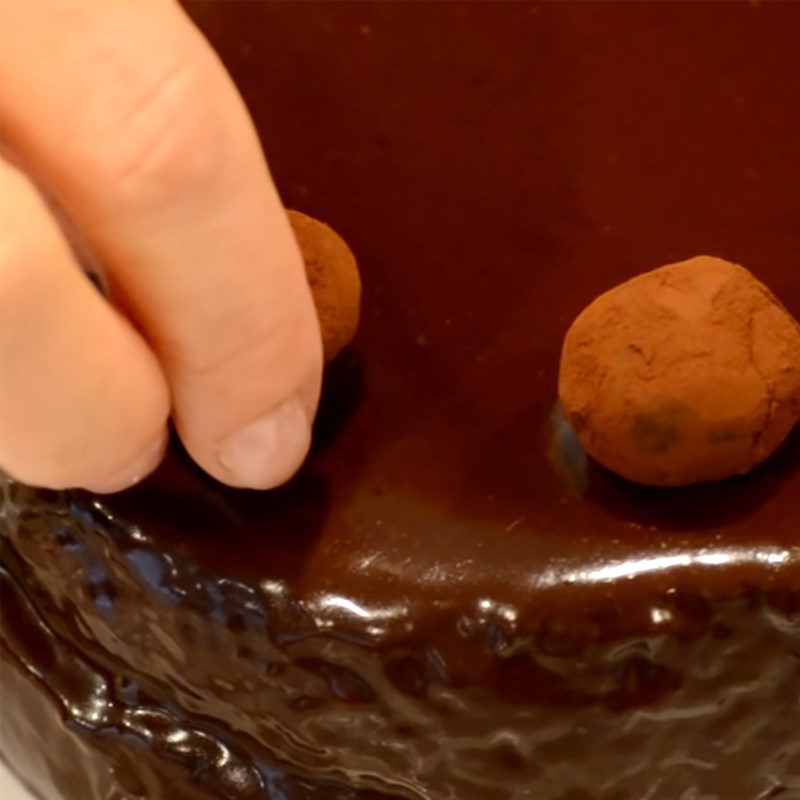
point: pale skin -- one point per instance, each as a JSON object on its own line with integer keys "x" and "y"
{"x": 121, "y": 113}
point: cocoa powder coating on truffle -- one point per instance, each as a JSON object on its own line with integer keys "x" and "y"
{"x": 685, "y": 374}
{"x": 335, "y": 283}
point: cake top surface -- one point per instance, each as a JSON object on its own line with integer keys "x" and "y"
{"x": 495, "y": 168}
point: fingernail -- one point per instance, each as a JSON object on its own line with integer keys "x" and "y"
{"x": 134, "y": 471}
{"x": 267, "y": 452}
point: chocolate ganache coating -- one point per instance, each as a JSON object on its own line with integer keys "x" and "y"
{"x": 450, "y": 601}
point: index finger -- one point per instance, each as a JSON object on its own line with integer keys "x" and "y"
{"x": 125, "y": 114}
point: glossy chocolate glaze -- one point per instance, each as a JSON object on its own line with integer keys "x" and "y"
{"x": 450, "y": 601}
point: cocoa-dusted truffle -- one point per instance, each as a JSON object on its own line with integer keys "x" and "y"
{"x": 685, "y": 374}
{"x": 335, "y": 283}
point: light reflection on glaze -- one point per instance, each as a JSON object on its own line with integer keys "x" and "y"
{"x": 660, "y": 616}
{"x": 631, "y": 568}
{"x": 325, "y": 602}
{"x": 328, "y": 609}
{"x": 491, "y": 608}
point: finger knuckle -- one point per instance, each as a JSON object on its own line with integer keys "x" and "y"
{"x": 164, "y": 136}
{"x": 271, "y": 345}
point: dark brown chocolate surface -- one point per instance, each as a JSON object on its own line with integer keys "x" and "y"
{"x": 495, "y": 168}
{"x": 449, "y": 601}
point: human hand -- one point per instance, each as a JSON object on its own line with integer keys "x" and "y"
{"x": 125, "y": 117}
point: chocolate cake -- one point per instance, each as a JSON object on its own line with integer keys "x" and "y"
{"x": 450, "y": 601}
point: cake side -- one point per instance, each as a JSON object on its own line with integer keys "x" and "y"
{"x": 75, "y": 730}
{"x": 702, "y": 695}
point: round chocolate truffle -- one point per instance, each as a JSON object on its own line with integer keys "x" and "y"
{"x": 332, "y": 272}
{"x": 685, "y": 374}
